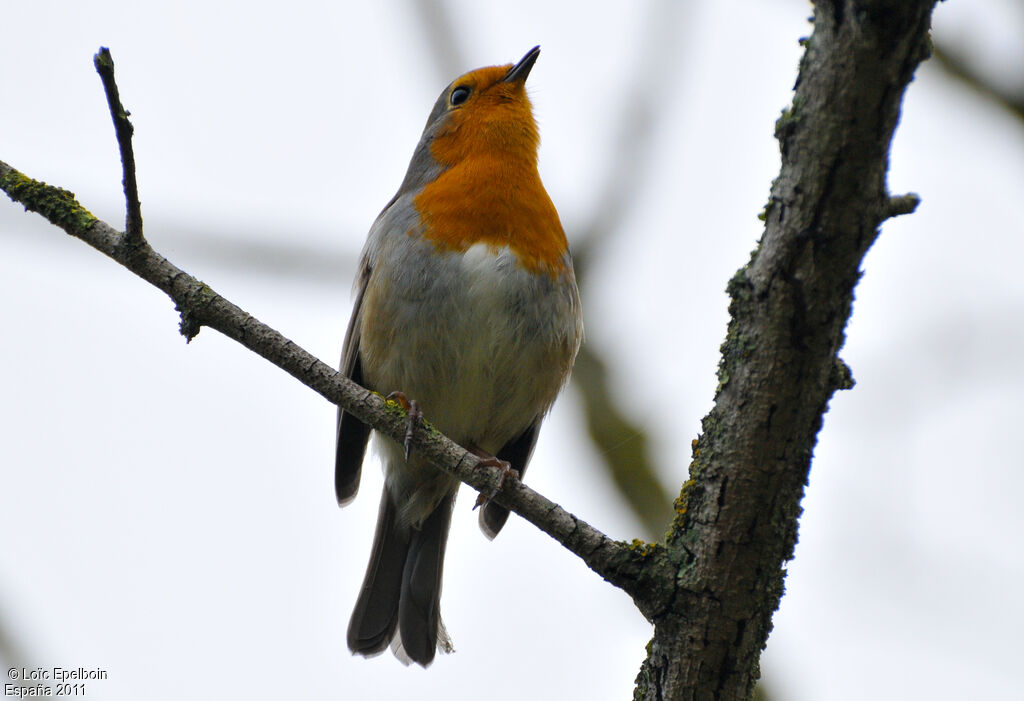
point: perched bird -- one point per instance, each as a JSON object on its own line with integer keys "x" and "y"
{"x": 466, "y": 302}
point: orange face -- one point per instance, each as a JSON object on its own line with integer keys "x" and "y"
{"x": 494, "y": 117}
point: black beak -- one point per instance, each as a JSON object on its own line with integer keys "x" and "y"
{"x": 518, "y": 72}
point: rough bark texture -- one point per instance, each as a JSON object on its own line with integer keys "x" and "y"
{"x": 737, "y": 515}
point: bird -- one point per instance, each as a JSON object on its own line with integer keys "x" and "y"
{"x": 466, "y": 303}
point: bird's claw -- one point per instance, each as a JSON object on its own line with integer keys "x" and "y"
{"x": 506, "y": 471}
{"x": 415, "y": 417}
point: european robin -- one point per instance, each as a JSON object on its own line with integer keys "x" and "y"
{"x": 466, "y": 302}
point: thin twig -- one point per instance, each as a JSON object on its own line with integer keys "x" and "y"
{"x": 104, "y": 63}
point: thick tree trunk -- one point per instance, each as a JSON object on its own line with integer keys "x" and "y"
{"x": 737, "y": 516}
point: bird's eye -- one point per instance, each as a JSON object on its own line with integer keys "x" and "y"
{"x": 458, "y": 96}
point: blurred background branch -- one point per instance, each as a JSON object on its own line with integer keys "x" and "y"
{"x": 437, "y": 27}
{"x": 957, "y": 66}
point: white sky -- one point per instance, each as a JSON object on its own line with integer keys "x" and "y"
{"x": 167, "y": 511}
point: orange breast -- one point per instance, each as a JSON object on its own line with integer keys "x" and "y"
{"x": 495, "y": 201}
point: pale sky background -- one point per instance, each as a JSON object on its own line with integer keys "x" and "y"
{"x": 167, "y": 511}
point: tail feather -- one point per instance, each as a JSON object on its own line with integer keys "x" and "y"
{"x": 375, "y": 617}
{"x": 419, "y": 613}
{"x": 401, "y": 592}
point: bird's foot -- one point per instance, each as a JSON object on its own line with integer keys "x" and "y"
{"x": 506, "y": 471}
{"x": 415, "y": 417}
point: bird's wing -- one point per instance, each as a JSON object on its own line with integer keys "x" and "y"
{"x": 517, "y": 452}
{"x": 353, "y": 434}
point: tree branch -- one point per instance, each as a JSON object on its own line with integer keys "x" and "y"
{"x": 737, "y": 515}
{"x": 123, "y": 129}
{"x": 201, "y": 306}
